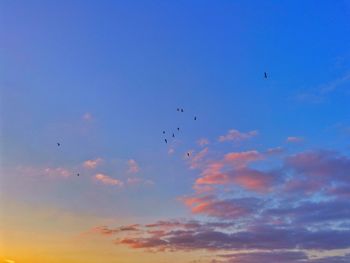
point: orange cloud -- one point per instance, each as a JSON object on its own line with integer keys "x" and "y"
{"x": 92, "y": 164}
{"x": 235, "y": 135}
{"x": 133, "y": 166}
{"x": 105, "y": 179}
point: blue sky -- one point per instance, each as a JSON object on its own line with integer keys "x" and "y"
{"x": 105, "y": 79}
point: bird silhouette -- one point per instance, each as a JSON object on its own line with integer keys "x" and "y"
{"x": 166, "y": 141}
{"x": 265, "y": 75}
{"x": 173, "y": 135}
{"x": 58, "y": 144}
{"x": 188, "y": 154}
{"x": 195, "y": 118}
{"x": 163, "y": 132}
{"x": 178, "y": 109}
{"x": 182, "y": 110}
{"x": 178, "y": 128}
{"x": 78, "y": 174}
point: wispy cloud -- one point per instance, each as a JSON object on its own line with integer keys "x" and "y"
{"x": 45, "y": 171}
{"x": 294, "y": 139}
{"x": 133, "y": 166}
{"x": 318, "y": 94}
{"x": 87, "y": 117}
{"x": 235, "y": 135}
{"x": 203, "y": 142}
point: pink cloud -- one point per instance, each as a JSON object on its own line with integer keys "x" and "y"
{"x": 203, "y": 141}
{"x": 235, "y": 135}
{"x": 247, "y": 178}
{"x": 241, "y": 159}
{"x": 230, "y": 208}
{"x": 197, "y": 159}
{"x": 92, "y": 164}
{"x": 294, "y": 139}
{"x": 87, "y": 117}
{"x": 133, "y": 166}
{"x": 105, "y": 179}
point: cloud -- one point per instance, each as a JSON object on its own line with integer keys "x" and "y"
{"x": 266, "y": 257}
{"x": 203, "y": 142}
{"x": 259, "y": 207}
{"x": 92, "y": 164}
{"x": 197, "y": 159}
{"x": 318, "y": 95}
{"x": 105, "y": 179}
{"x": 133, "y": 166}
{"x": 275, "y": 150}
{"x": 261, "y": 237}
{"x": 241, "y": 159}
{"x": 9, "y": 261}
{"x": 139, "y": 181}
{"x": 235, "y": 135}
{"x": 87, "y": 117}
{"x": 44, "y": 171}
{"x": 106, "y": 231}
{"x": 247, "y": 178}
{"x": 294, "y": 139}
{"x": 226, "y": 209}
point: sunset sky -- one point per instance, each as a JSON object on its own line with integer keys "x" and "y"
{"x": 261, "y": 176}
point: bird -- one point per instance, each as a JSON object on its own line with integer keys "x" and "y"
{"x": 166, "y": 141}
{"x": 58, "y": 144}
{"x": 182, "y": 110}
{"x": 173, "y": 135}
{"x": 78, "y": 174}
{"x": 178, "y": 109}
{"x": 195, "y": 118}
{"x": 265, "y": 75}
{"x": 178, "y": 128}
{"x": 163, "y": 132}
{"x": 188, "y": 154}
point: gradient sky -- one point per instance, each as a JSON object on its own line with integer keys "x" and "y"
{"x": 268, "y": 176}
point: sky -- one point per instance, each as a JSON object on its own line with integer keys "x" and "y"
{"x": 88, "y": 87}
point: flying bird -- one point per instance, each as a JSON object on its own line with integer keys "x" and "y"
{"x": 78, "y": 174}
{"x": 178, "y": 128}
{"x": 195, "y": 118}
{"x": 188, "y": 154}
{"x": 166, "y": 141}
{"x": 178, "y": 109}
{"x": 173, "y": 135}
{"x": 182, "y": 110}
{"x": 163, "y": 132}
{"x": 58, "y": 144}
{"x": 265, "y": 75}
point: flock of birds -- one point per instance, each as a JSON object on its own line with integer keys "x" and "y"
{"x": 178, "y": 128}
